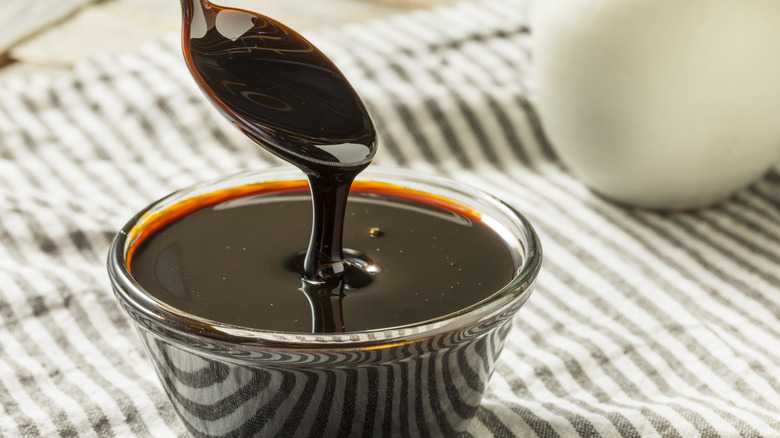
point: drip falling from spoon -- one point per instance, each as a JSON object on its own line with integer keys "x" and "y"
{"x": 287, "y": 96}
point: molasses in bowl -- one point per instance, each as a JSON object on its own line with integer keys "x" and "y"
{"x": 402, "y": 344}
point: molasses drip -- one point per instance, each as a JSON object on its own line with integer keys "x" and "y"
{"x": 287, "y": 96}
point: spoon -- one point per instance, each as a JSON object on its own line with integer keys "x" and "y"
{"x": 277, "y": 88}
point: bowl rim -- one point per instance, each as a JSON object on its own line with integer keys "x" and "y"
{"x": 143, "y": 306}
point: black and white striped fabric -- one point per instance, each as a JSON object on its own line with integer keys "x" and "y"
{"x": 642, "y": 324}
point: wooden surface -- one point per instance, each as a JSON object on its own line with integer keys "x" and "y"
{"x": 121, "y": 25}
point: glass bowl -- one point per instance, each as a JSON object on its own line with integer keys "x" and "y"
{"x": 420, "y": 379}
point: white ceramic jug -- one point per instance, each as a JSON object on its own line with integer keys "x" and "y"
{"x": 669, "y": 104}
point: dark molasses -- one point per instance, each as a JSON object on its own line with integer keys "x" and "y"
{"x": 231, "y": 257}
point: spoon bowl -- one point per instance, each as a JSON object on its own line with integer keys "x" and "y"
{"x": 276, "y": 87}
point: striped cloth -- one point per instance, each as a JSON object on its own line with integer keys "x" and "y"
{"x": 642, "y": 325}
